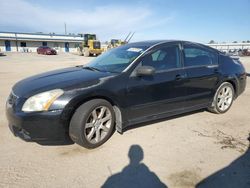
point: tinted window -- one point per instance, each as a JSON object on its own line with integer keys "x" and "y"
{"x": 164, "y": 58}
{"x": 196, "y": 56}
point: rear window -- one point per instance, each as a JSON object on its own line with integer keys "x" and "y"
{"x": 197, "y": 56}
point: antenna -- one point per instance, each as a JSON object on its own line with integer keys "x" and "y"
{"x": 65, "y": 28}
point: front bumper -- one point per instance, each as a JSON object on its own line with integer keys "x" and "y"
{"x": 42, "y": 127}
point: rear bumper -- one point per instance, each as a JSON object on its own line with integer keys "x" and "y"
{"x": 41, "y": 127}
{"x": 242, "y": 81}
{"x": 51, "y": 53}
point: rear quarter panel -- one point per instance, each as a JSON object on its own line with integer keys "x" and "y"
{"x": 233, "y": 71}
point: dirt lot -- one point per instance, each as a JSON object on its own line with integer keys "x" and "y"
{"x": 180, "y": 151}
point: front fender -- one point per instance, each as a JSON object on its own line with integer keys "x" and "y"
{"x": 71, "y": 101}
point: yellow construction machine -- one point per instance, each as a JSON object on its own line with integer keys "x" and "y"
{"x": 90, "y": 46}
{"x": 118, "y": 42}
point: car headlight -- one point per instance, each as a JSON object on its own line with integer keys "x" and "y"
{"x": 41, "y": 101}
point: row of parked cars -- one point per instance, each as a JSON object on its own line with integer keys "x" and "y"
{"x": 45, "y": 50}
{"x": 237, "y": 52}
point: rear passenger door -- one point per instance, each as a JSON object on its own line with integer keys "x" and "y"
{"x": 201, "y": 65}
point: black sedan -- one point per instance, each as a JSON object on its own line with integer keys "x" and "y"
{"x": 134, "y": 83}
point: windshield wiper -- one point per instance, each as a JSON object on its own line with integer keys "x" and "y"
{"x": 91, "y": 68}
{"x": 96, "y": 69}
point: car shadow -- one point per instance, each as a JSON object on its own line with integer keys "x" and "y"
{"x": 70, "y": 142}
{"x": 235, "y": 175}
{"x": 135, "y": 175}
{"x": 55, "y": 143}
{"x": 134, "y": 126}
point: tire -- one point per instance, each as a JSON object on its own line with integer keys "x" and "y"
{"x": 222, "y": 101}
{"x": 89, "y": 121}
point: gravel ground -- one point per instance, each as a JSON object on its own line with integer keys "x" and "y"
{"x": 178, "y": 152}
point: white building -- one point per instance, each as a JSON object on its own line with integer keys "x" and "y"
{"x": 230, "y": 46}
{"x": 19, "y": 42}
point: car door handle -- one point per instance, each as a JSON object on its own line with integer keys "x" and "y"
{"x": 212, "y": 66}
{"x": 180, "y": 77}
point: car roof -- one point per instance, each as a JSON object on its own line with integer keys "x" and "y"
{"x": 150, "y": 43}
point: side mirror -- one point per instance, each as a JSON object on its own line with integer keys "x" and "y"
{"x": 145, "y": 71}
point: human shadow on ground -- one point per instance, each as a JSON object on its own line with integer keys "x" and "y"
{"x": 236, "y": 175}
{"x": 135, "y": 175}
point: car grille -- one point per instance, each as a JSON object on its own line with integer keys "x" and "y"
{"x": 12, "y": 98}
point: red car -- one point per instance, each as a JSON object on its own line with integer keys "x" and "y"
{"x": 46, "y": 50}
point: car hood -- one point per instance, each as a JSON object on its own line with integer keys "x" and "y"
{"x": 66, "y": 79}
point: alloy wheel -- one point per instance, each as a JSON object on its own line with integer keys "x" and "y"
{"x": 98, "y": 124}
{"x": 224, "y": 98}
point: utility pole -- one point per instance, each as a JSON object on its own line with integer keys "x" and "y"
{"x": 16, "y": 42}
{"x": 65, "y": 28}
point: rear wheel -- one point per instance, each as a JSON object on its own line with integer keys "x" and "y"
{"x": 92, "y": 124}
{"x": 223, "y": 98}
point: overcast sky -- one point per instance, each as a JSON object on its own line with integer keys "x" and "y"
{"x": 195, "y": 20}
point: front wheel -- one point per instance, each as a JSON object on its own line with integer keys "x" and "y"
{"x": 92, "y": 124}
{"x": 223, "y": 98}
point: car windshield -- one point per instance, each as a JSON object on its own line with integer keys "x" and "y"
{"x": 117, "y": 59}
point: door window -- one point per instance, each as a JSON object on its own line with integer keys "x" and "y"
{"x": 23, "y": 44}
{"x": 196, "y": 56}
{"x": 162, "y": 59}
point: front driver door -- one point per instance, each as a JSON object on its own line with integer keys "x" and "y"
{"x": 149, "y": 96}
